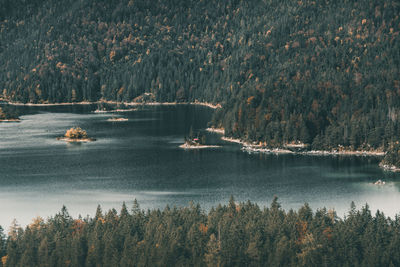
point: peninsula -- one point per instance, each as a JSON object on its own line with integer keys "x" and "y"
{"x": 197, "y": 142}
{"x": 6, "y": 116}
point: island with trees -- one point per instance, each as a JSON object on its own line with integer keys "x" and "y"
{"x": 76, "y": 134}
{"x": 196, "y": 141}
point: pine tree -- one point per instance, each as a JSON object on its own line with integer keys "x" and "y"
{"x": 212, "y": 256}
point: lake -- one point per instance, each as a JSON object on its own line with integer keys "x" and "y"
{"x": 140, "y": 158}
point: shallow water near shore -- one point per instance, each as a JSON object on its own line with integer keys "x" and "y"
{"x": 140, "y": 158}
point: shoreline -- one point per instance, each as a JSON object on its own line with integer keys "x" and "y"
{"x": 117, "y": 119}
{"x": 216, "y": 130}
{"x": 234, "y": 140}
{"x": 186, "y": 146}
{"x": 387, "y": 167}
{"x": 123, "y": 110}
{"x": 11, "y": 120}
{"x": 248, "y": 147}
{"x": 206, "y": 104}
{"x": 48, "y": 104}
{"x": 345, "y": 153}
{"x": 69, "y": 140}
{"x": 268, "y": 150}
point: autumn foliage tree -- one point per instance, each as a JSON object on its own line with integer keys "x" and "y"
{"x": 324, "y": 73}
{"x": 76, "y": 133}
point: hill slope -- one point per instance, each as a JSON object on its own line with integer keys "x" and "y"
{"x": 320, "y": 72}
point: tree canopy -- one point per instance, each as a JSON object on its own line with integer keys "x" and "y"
{"x": 237, "y": 234}
{"x": 324, "y": 73}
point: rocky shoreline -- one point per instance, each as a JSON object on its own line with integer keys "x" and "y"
{"x": 187, "y": 146}
{"x": 210, "y": 105}
{"x": 253, "y": 147}
{"x": 206, "y": 104}
{"x": 117, "y": 119}
{"x": 124, "y": 110}
{"x": 375, "y": 153}
{"x": 216, "y": 130}
{"x": 256, "y": 148}
{"x": 387, "y": 167}
{"x": 11, "y": 120}
{"x": 74, "y": 140}
{"x": 48, "y": 104}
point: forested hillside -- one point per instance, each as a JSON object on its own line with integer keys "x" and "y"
{"x": 230, "y": 235}
{"x": 325, "y": 73}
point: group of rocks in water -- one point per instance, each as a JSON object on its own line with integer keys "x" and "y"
{"x": 380, "y": 182}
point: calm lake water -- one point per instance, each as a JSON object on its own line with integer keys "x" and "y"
{"x": 140, "y": 158}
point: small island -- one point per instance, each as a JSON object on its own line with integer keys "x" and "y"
{"x": 117, "y": 119}
{"x": 380, "y": 182}
{"x": 124, "y": 110}
{"x": 7, "y": 116}
{"x": 197, "y": 142}
{"x": 195, "y": 145}
{"x": 76, "y": 135}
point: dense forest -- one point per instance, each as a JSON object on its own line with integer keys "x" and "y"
{"x": 392, "y": 157}
{"x": 230, "y": 235}
{"x": 324, "y": 73}
{"x": 8, "y": 113}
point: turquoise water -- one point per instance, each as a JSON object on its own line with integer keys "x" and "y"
{"x": 140, "y": 158}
